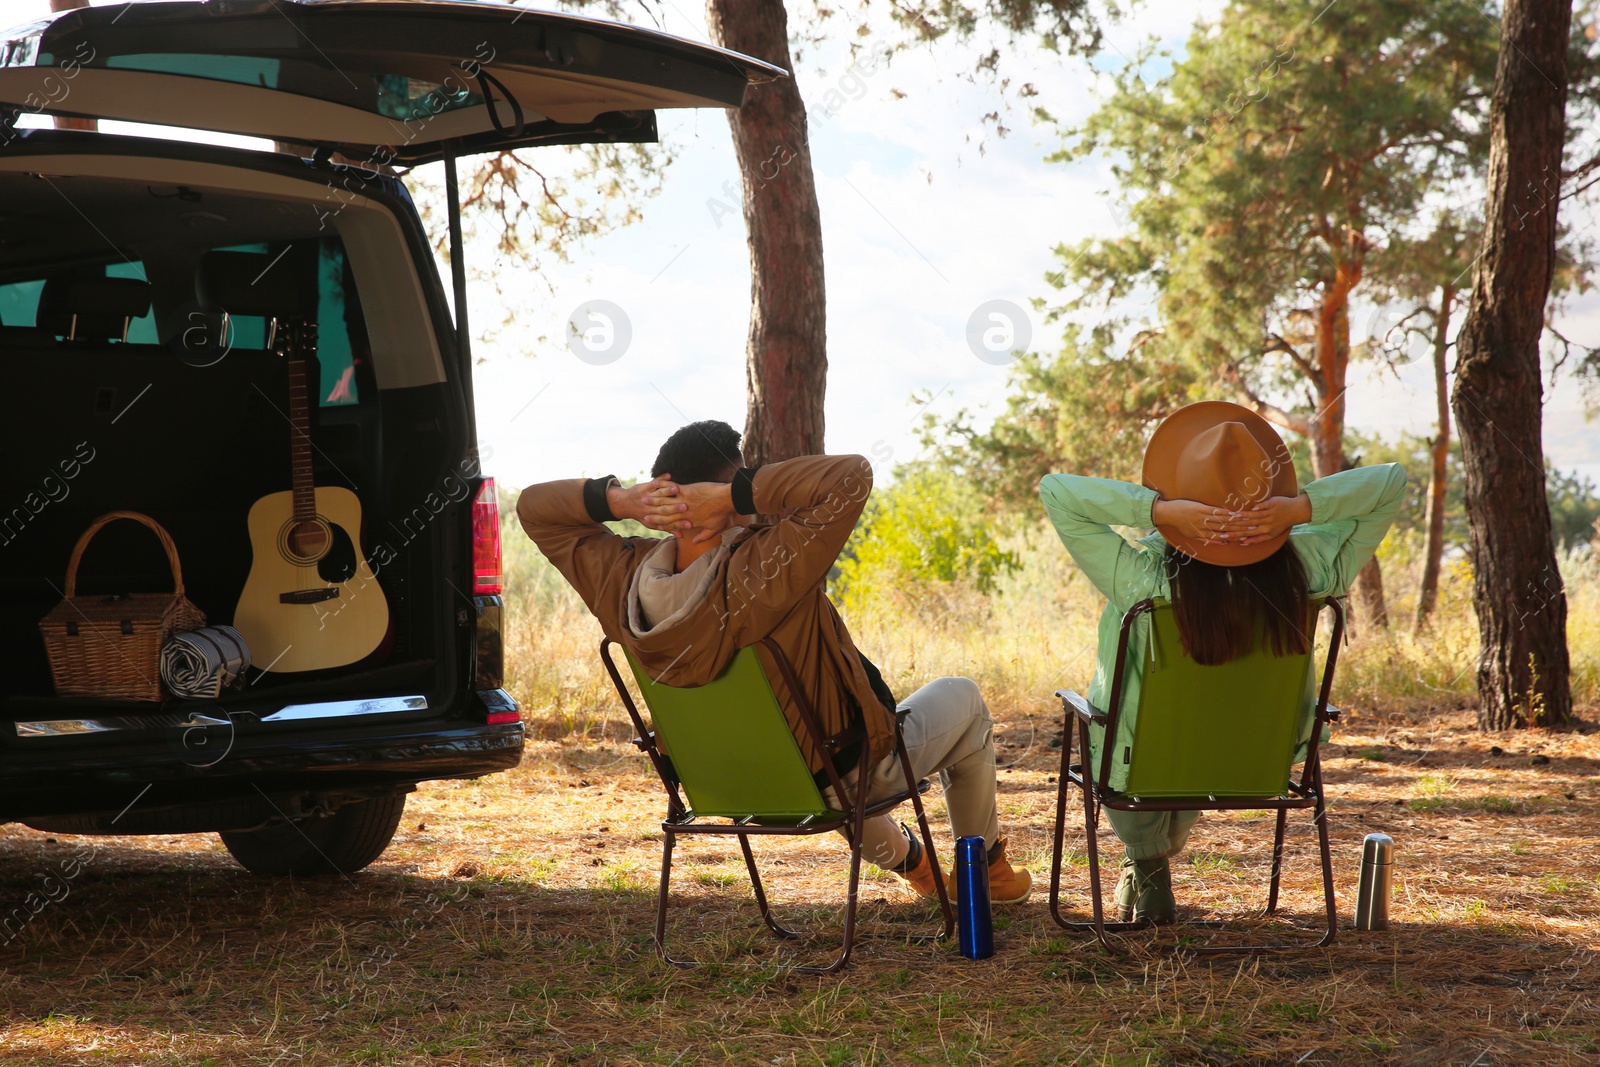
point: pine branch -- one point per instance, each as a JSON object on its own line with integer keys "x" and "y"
{"x": 1277, "y": 343}
{"x": 1289, "y": 420}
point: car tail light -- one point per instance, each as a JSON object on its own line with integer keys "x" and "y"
{"x": 486, "y": 541}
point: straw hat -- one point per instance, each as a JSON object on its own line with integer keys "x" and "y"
{"x": 1220, "y": 454}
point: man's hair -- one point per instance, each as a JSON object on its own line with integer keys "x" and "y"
{"x": 705, "y": 451}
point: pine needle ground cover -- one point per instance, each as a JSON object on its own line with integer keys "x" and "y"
{"x": 509, "y": 923}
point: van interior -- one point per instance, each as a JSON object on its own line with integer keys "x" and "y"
{"x": 133, "y": 387}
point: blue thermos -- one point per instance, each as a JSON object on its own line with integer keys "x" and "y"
{"x": 974, "y": 919}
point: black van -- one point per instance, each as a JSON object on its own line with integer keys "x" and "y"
{"x": 254, "y": 351}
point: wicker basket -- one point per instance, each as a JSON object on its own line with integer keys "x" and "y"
{"x": 109, "y": 647}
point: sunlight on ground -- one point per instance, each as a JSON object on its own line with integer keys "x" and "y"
{"x": 509, "y": 923}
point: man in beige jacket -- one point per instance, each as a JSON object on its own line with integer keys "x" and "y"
{"x": 684, "y": 604}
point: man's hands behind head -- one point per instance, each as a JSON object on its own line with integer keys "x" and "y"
{"x": 704, "y": 507}
{"x": 654, "y": 503}
{"x": 662, "y": 504}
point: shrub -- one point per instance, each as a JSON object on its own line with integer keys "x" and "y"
{"x": 926, "y": 531}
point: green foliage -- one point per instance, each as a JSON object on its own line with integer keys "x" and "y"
{"x": 885, "y": 28}
{"x": 1290, "y": 146}
{"x": 1088, "y": 413}
{"x": 929, "y": 529}
{"x": 1574, "y": 507}
{"x": 1086, "y": 410}
{"x": 1059, "y": 25}
{"x": 1574, "y": 499}
{"x": 1412, "y": 452}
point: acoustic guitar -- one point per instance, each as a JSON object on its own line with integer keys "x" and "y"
{"x": 311, "y": 601}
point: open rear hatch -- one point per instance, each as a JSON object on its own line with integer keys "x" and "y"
{"x": 193, "y": 439}
{"x": 404, "y": 82}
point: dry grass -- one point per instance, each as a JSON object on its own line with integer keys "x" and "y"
{"x": 509, "y": 923}
{"x": 1435, "y": 669}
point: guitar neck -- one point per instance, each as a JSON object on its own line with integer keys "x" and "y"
{"x": 305, "y": 489}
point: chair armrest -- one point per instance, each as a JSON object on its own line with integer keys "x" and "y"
{"x": 1071, "y": 701}
{"x": 1331, "y": 713}
{"x": 654, "y": 745}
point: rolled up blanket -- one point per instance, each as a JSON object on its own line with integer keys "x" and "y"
{"x": 200, "y": 663}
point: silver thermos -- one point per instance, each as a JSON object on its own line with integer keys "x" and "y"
{"x": 1377, "y": 879}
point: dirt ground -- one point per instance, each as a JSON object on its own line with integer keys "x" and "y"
{"x": 509, "y": 923}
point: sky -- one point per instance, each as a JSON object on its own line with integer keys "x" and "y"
{"x": 928, "y": 219}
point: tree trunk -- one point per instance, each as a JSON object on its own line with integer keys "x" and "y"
{"x": 1333, "y": 363}
{"x": 1371, "y": 607}
{"x": 1523, "y": 669}
{"x": 786, "y": 360}
{"x": 67, "y": 122}
{"x": 1327, "y": 427}
{"x": 1439, "y": 454}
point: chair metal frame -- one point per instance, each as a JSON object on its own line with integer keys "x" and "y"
{"x": 681, "y": 819}
{"x": 1308, "y": 792}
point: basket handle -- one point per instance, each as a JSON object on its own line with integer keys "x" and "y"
{"x": 110, "y": 517}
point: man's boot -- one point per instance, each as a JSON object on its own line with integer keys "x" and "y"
{"x": 1007, "y": 884}
{"x": 917, "y": 868}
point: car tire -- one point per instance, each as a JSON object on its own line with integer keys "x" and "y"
{"x": 341, "y": 843}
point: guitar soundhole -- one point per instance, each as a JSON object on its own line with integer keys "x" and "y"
{"x": 305, "y": 542}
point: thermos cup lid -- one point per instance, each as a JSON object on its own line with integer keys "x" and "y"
{"x": 1377, "y": 848}
{"x": 972, "y": 847}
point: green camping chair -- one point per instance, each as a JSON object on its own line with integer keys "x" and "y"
{"x": 1205, "y": 739}
{"x": 728, "y": 746}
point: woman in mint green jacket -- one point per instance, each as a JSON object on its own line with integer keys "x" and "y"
{"x": 1237, "y": 549}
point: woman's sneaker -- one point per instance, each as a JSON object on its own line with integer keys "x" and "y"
{"x": 1144, "y": 892}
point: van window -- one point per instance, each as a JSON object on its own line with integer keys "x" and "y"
{"x": 244, "y": 70}
{"x": 402, "y": 97}
{"x": 341, "y": 335}
{"x": 19, "y": 302}
{"x": 338, "y": 322}
{"x": 335, "y": 352}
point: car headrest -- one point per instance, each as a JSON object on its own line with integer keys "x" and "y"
{"x": 88, "y": 307}
{"x": 256, "y": 283}
{"x": 19, "y": 336}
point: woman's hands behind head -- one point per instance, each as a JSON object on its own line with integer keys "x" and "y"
{"x": 1200, "y": 521}
{"x": 1249, "y": 525}
{"x": 1269, "y": 518}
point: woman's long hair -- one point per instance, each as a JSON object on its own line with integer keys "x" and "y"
{"x": 1220, "y": 610}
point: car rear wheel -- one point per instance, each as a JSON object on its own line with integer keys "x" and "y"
{"x": 341, "y": 843}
